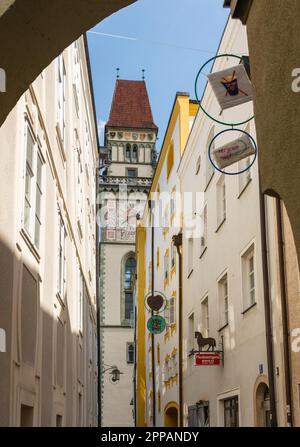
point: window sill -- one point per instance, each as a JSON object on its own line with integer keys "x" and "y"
{"x": 221, "y": 224}
{"x": 30, "y": 244}
{"x": 203, "y": 252}
{"x": 244, "y": 188}
{"x": 249, "y": 308}
{"x": 190, "y": 274}
{"x": 223, "y": 327}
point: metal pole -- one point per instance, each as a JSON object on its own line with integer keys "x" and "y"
{"x": 150, "y": 203}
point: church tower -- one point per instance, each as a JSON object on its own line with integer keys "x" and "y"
{"x": 128, "y": 164}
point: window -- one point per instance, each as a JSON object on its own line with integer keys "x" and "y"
{"x": 209, "y": 167}
{"x": 129, "y": 272}
{"x": 245, "y": 177}
{"x": 128, "y": 152}
{"x": 223, "y": 301}
{"x": 33, "y": 189}
{"x": 166, "y": 265}
{"x": 198, "y": 415}
{"x": 58, "y": 420}
{"x": 172, "y": 204}
{"x": 167, "y": 369}
{"x": 203, "y": 239}
{"x": 172, "y": 310}
{"x": 80, "y": 300}
{"x": 221, "y": 201}
{"x": 191, "y": 333}
{"x": 205, "y": 317}
{"x": 231, "y": 412}
{"x": 62, "y": 259}
{"x": 26, "y": 415}
{"x": 132, "y": 172}
{"x": 166, "y": 219}
{"x": 172, "y": 256}
{"x": 170, "y": 160}
{"x": 135, "y": 153}
{"x": 190, "y": 255}
{"x": 130, "y": 352}
{"x": 61, "y": 76}
{"x": 248, "y": 277}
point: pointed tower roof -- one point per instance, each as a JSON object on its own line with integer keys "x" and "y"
{"x": 130, "y": 106}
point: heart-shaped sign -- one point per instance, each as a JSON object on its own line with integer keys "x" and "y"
{"x": 155, "y": 302}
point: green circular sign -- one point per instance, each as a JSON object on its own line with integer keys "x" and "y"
{"x": 156, "y": 324}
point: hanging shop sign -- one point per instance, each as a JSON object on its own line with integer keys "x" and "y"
{"x": 232, "y": 86}
{"x": 207, "y": 355}
{"x": 208, "y": 359}
{"x": 233, "y": 152}
{"x": 155, "y": 302}
{"x": 156, "y": 324}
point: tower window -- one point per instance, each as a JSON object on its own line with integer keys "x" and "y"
{"x": 130, "y": 353}
{"x": 135, "y": 152}
{"x": 129, "y": 272}
{"x": 128, "y": 151}
{"x": 131, "y": 172}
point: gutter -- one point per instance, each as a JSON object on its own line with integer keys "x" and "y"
{"x": 177, "y": 240}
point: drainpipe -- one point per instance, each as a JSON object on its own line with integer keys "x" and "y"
{"x": 177, "y": 240}
{"x": 285, "y": 318}
{"x": 150, "y": 204}
{"x": 268, "y": 310}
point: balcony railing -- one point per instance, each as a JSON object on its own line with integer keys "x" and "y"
{"x": 129, "y": 181}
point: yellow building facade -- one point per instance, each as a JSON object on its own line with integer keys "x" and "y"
{"x": 158, "y": 365}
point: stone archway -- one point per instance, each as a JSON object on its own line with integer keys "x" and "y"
{"x": 262, "y": 403}
{"x": 34, "y": 32}
{"x": 171, "y": 415}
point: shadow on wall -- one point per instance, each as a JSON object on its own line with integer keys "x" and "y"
{"x": 47, "y": 377}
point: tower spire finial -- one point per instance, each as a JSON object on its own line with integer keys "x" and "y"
{"x": 118, "y": 76}
{"x": 143, "y": 74}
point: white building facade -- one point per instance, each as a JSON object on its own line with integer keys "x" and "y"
{"x": 49, "y": 149}
{"x": 222, "y": 269}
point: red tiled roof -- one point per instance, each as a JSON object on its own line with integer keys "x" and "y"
{"x": 130, "y": 106}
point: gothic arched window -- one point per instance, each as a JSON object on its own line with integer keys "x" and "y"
{"x": 128, "y": 151}
{"x": 135, "y": 152}
{"x": 127, "y": 289}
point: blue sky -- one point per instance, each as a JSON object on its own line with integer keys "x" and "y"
{"x": 170, "y": 39}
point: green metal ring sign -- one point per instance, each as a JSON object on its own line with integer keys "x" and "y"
{"x": 156, "y": 324}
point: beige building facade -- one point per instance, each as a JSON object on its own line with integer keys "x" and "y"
{"x": 48, "y": 240}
